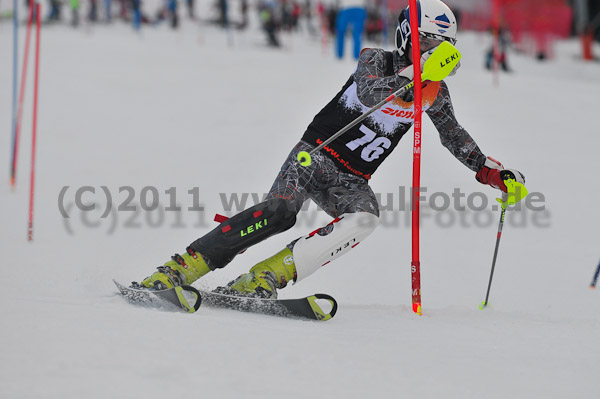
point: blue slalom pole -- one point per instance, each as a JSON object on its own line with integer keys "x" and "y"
{"x": 15, "y": 82}
{"x": 595, "y": 279}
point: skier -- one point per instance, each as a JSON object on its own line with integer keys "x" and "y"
{"x": 338, "y": 177}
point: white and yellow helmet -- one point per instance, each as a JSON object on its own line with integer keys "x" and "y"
{"x": 436, "y": 23}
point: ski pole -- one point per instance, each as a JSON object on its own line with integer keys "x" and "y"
{"x": 487, "y": 295}
{"x": 515, "y": 192}
{"x": 437, "y": 67}
{"x": 304, "y": 156}
{"x": 21, "y": 96}
{"x": 595, "y": 279}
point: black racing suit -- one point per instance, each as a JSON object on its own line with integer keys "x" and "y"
{"x": 364, "y": 147}
{"x": 337, "y": 179}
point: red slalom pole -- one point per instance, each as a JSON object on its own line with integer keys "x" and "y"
{"x": 13, "y": 171}
{"x": 38, "y": 13}
{"x": 416, "y": 55}
{"x": 324, "y": 26}
{"x": 496, "y": 39}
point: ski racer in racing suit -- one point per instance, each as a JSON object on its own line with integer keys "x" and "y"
{"x": 337, "y": 180}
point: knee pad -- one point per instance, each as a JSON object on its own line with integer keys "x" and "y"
{"x": 245, "y": 229}
{"x": 330, "y": 242}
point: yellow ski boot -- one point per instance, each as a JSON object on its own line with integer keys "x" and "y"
{"x": 264, "y": 278}
{"x": 180, "y": 270}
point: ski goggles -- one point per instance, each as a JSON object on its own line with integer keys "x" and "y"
{"x": 428, "y": 41}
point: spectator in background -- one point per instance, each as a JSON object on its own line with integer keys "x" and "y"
{"x": 189, "y": 5}
{"x": 190, "y": 8}
{"x": 174, "y": 17}
{"x": 74, "y": 13}
{"x": 503, "y": 43}
{"x": 308, "y": 15}
{"x": 268, "y": 19}
{"x": 54, "y": 14}
{"x": 223, "y": 8}
{"x": 244, "y": 11}
{"x": 93, "y": 14}
{"x": 295, "y": 15}
{"x": 373, "y": 24}
{"x": 107, "y": 10}
{"x": 167, "y": 12}
{"x": 331, "y": 14}
{"x": 137, "y": 14}
{"x": 350, "y": 13}
{"x": 285, "y": 9}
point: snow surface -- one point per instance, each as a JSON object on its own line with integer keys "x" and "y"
{"x": 183, "y": 109}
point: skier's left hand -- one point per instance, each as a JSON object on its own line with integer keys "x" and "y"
{"x": 493, "y": 173}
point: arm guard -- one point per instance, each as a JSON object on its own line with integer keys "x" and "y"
{"x": 376, "y": 76}
{"x": 452, "y": 135}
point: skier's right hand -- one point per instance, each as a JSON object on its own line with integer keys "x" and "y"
{"x": 493, "y": 173}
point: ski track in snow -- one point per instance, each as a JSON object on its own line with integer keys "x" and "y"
{"x": 182, "y": 109}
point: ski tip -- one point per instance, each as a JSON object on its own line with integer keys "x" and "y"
{"x": 318, "y": 311}
{"x": 417, "y": 308}
{"x": 189, "y": 298}
{"x": 483, "y": 305}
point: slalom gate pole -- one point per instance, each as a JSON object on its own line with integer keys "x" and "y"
{"x": 595, "y": 279}
{"x": 38, "y": 13}
{"x": 415, "y": 265}
{"x": 324, "y": 27}
{"x": 15, "y": 83}
{"x": 21, "y": 96}
{"x": 496, "y": 39}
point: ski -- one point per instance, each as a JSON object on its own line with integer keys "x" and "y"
{"x": 297, "y": 308}
{"x": 184, "y": 297}
{"x": 189, "y": 299}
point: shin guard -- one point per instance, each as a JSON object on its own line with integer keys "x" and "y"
{"x": 244, "y": 230}
{"x": 330, "y": 242}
